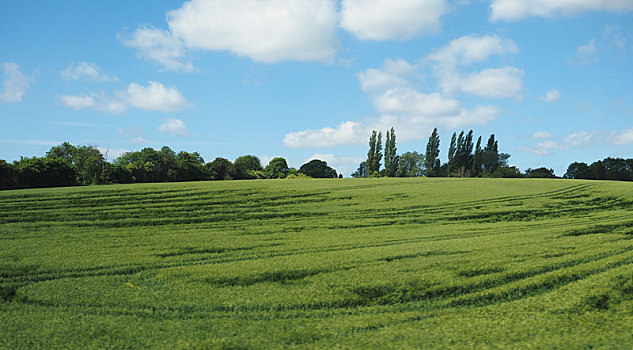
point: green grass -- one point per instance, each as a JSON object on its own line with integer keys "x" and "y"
{"x": 353, "y": 263}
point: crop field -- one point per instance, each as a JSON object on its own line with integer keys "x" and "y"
{"x": 351, "y": 263}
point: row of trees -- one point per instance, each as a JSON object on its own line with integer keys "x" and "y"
{"x": 464, "y": 158}
{"x": 606, "y": 169}
{"x": 68, "y": 165}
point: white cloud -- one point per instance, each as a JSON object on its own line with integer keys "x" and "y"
{"x": 414, "y": 114}
{"x": 541, "y": 135}
{"x": 513, "y": 10}
{"x": 14, "y": 84}
{"x": 391, "y": 20}
{"x": 160, "y": 46}
{"x": 78, "y": 102}
{"x": 392, "y": 73}
{"x": 581, "y": 139}
{"x": 586, "y": 53}
{"x": 154, "y": 97}
{"x": 551, "y": 96}
{"x": 174, "y": 127}
{"x": 624, "y": 137}
{"x": 346, "y": 133}
{"x": 504, "y": 82}
{"x": 411, "y": 102}
{"x": 494, "y": 83}
{"x": 81, "y": 70}
{"x": 265, "y": 30}
{"x": 470, "y": 49}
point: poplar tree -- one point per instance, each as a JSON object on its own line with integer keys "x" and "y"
{"x": 391, "y": 159}
{"x": 431, "y": 159}
{"x": 372, "y": 151}
{"x": 476, "y": 171}
{"x": 452, "y": 148}
{"x": 490, "y": 156}
{"x": 378, "y": 153}
{"x": 374, "y": 155}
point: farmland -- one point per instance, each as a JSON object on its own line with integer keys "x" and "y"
{"x": 354, "y": 263}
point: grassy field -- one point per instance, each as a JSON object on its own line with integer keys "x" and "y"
{"x": 352, "y": 263}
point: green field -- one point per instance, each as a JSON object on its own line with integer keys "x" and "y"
{"x": 352, "y": 263}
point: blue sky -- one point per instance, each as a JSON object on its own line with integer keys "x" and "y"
{"x": 309, "y": 79}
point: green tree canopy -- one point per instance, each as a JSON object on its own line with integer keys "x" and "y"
{"x": 277, "y": 168}
{"x": 431, "y": 158}
{"x": 221, "y": 169}
{"x": 318, "y": 169}
{"x": 247, "y": 166}
{"x": 411, "y": 164}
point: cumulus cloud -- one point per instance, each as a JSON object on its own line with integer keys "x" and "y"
{"x": 153, "y": 97}
{"x": 409, "y": 101}
{"x": 505, "y": 82}
{"x": 86, "y": 70}
{"x": 14, "y": 84}
{"x": 391, "y": 20}
{"x": 448, "y": 63}
{"x": 392, "y": 73}
{"x": 161, "y": 46}
{"x": 346, "y": 133}
{"x": 470, "y": 49}
{"x": 551, "y": 96}
{"x": 399, "y": 103}
{"x": 582, "y": 139}
{"x": 174, "y": 127}
{"x": 624, "y": 137}
{"x": 78, "y": 102}
{"x": 266, "y": 31}
{"x": 513, "y": 10}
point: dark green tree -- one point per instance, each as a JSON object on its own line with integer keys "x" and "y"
{"x": 597, "y": 170}
{"x": 452, "y": 148}
{"x": 391, "y": 157}
{"x": 221, "y": 169}
{"x": 411, "y": 164}
{"x": 577, "y": 170}
{"x": 540, "y": 173}
{"x": 477, "y": 159}
{"x": 277, "y": 168}
{"x": 190, "y": 167}
{"x": 507, "y": 172}
{"x": 318, "y": 169}
{"x": 431, "y": 159}
{"x": 374, "y": 155}
{"x": 118, "y": 174}
{"x": 490, "y": 156}
{"x": 45, "y": 172}
{"x": 246, "y": 167}
{"x": 371, "y": 154}
{"x": 8, "y": 176}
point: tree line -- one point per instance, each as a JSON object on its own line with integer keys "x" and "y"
{"x": 69, "y": 165}
{"x": 465, "y": 159}
{"x": 607, "y": 169}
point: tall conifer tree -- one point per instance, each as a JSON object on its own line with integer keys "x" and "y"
{"x": 431, "y": 159}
